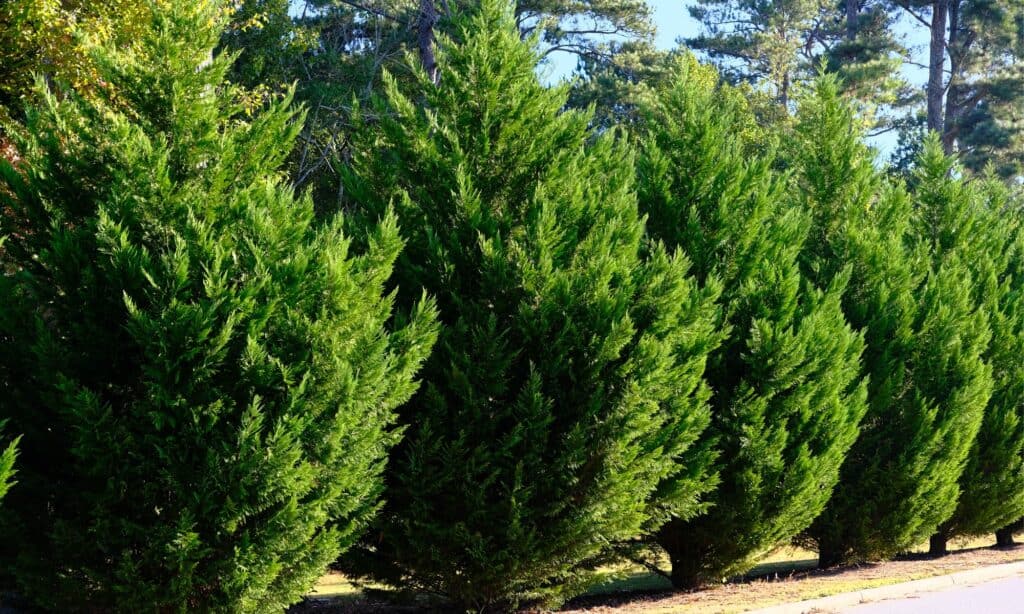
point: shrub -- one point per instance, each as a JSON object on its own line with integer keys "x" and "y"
{"x": 925, "y": 338}
{"x": 205, "y": 378}
{"x": 561, "y": 407}
{"x": 787, "y": 388}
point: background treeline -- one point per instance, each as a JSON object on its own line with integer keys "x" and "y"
{"x": 452, "y": 330}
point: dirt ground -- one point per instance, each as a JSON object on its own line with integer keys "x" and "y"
{"x": 797, "y": 586}
{"x": 788, "y": 576}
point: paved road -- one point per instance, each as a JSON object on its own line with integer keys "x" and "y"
{"x": 1005, "y": 596}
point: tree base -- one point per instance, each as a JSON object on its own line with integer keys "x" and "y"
{"x": 1004, "y": 537}
{"x": 937, "y": 545}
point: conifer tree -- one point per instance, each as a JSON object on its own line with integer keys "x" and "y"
{"x": 928, "y": 382}
{"x": 204, "y": 378}
{"x": 560, "y": 410}
{"x": 787, "y": 394}
{"x": 977, "y": 218}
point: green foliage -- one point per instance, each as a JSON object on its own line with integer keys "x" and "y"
{"x": 925, "y": 339}
{"x": 336, "y": 53}
{"x": 779, "y": 45}
{"x": 51, "y": 37}
{"x": 787, "y": 396}
{"x": 980, "y": 219}
{"x": 7, "y": 468}
{"x": 204, "y": 377}
{"x": 561, "y": 409}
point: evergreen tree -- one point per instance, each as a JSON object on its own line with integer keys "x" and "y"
{"x": 780, "y": 45}
{"x": 204, "y": 378}
{"x": 561, "y": 407}
{"x": 8, "y": 456}
{"x": 336, "y": 51}
{"x": 975, "y": 87}
{"x": 928, "y": 383}
{"x": 787, "y": 393}
{"x": 977, "y": 218}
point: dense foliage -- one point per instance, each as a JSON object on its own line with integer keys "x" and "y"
{"x": 562, "y": 405}
{"x": 787, "y": 398}
{"x": 925, "y": 335}
{"x": 663, "y": 311}
{"x": 978, "y": 217}
{"x": 204, "y": 376}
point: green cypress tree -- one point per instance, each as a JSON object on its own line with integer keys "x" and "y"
{"x": 204, "y": 377}
{"x": 787, "y": 393}
{"x": 561, "y": 407}
{"x": 976, "y": 218}
{"x": 925, "y": 339}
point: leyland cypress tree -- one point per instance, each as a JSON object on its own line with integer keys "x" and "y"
{"x": 975, "y": 217}
{"x": 925, "y": 338}
{"x": 787, "y": 393}
{"x": 8, "y": 456}
{"x": 561, "y": 407}
{"x": 205, "y": 378}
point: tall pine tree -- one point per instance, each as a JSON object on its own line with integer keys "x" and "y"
{"x": 928, "y": 382}
{"x": 977, "y": 218}
{"x": 787, "y": 393}
{"x": 204, "y": 377}
{"x": 561, "y": 407}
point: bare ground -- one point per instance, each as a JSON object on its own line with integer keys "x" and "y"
{"x": 790, "y": 577}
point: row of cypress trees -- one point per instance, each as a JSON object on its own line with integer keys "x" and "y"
{"x": 708, "y": 336}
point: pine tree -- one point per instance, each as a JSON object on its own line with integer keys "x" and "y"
{"x": 977, "y": 218}
{"x": 561, "y": 408}
{"x": 204, "y": 378}
{"x": 780, "y": 45}
{"x": 975, "y": 79}
{"x": 928, "y": 383}
{"x": 787, "y": 397}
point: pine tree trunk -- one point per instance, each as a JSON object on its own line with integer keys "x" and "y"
{"x": 951, "y": 122}
{"x": 425, "y": 37}
{"x": 852, "y": 15}
{"x": 936, "y": 63}
{"x": 937, "y": 545}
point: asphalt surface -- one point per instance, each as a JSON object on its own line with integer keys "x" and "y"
{"x": 1004, "y": 596}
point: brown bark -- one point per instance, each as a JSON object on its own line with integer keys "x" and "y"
{"x": 936, "y": 62}
{"x": 425, "y": 38}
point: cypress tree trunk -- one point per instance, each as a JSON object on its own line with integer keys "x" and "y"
{"x": 937, "y": 545}
{"x": 1005, "y": 537}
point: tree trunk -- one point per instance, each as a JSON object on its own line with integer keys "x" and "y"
{"x": 852, "y": 15}
{"x": 951, "y": 122}
{"x": 425, "y": 38}
{"x": 937, "y": 545}
{"x": 936, "y": 62}
{"x": 1004, "y": 537}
